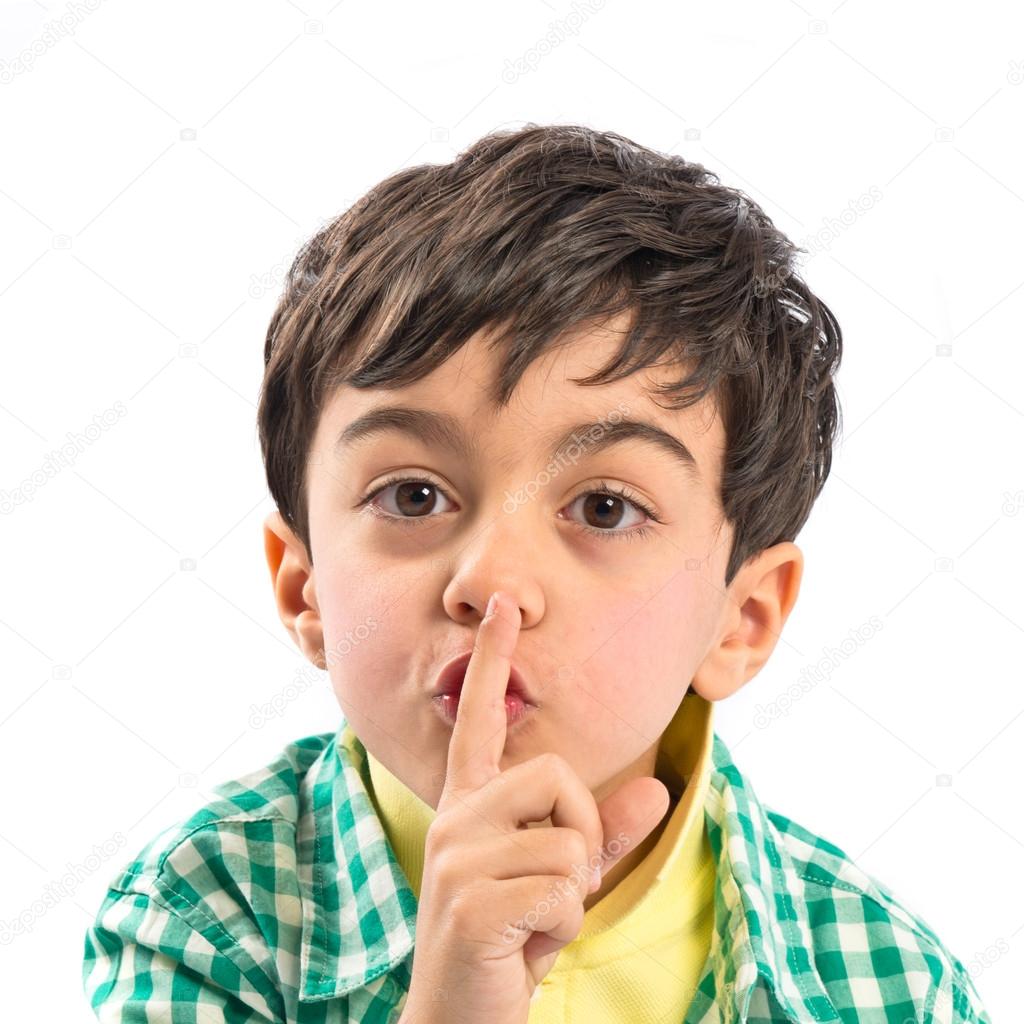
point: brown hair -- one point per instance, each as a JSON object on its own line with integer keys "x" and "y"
{"x": 539, "y": 230}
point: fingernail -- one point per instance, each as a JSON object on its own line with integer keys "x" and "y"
{"x": 595, "y": 882}
{"x": 491, "y": 605}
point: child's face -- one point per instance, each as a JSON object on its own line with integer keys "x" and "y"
{"x": 613, "y": 629}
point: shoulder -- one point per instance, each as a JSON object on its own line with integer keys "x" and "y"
{"x": 869, "y": 948}
{"x": 247, "y": 830}
{"x": 251, "y": 820}
{"x": 266, "y": 799}
{"x": 215, "y": 895}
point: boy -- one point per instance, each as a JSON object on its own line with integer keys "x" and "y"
{"x": 527, "y": 815}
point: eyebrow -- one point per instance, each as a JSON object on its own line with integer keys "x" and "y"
{"x": 444, "y": 430}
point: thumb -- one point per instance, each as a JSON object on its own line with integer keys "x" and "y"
{"x": 629, "y": 815}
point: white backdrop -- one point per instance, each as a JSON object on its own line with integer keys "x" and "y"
{"x": 161, "y": 165}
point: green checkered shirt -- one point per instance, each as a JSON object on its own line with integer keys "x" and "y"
{"x": 283, "y": 901}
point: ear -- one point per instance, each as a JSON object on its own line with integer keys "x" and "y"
{"x": 291, "y": 575}
{"x": 756, "y": 606}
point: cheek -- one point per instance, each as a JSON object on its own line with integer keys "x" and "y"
{"x": 363, "y": 652}
{"x": 646, "y": 651}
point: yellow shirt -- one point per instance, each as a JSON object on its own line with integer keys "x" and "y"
{"x": 643, "y": 946}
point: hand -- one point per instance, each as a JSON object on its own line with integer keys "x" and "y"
{"x": 500, "y": 899}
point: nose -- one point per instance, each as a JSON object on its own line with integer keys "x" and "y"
{"x": 495, "y": 560}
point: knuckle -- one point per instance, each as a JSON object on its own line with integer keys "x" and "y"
{"x": 439, "y": 850}
{"x": 461, "y": 908}
{"x": 551, "y": 761}
{"x": 542, "y": 893}
{"x": 555, "y": 764}
{"x": 557, "y": 891}
{"x": 439, "y": 866}
{"x": 437, "y": 834}
{"x": 572, "y": 849}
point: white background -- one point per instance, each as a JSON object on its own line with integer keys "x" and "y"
{"x": 162, "y": 164}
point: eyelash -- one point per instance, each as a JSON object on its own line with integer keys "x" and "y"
{"x": 636, "y": 533}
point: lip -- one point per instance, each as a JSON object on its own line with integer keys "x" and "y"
{"x": 450, "y": 679}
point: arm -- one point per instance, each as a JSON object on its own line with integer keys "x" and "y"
{"x": 145, "y": 962}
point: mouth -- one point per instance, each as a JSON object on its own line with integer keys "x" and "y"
{"x": 453, "y": 675}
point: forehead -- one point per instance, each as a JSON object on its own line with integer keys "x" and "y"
{"x": 544, "y": 412}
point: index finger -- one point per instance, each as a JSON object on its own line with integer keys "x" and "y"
{"x": 481, "y": 727}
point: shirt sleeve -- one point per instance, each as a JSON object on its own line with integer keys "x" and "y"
{"x": 967, "y": 1005}
{"x": 147, "y": 961}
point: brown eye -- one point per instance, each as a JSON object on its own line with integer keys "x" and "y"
{"x": 603, "y": 510}
{"x": 606, "y": 511}
{"x": 408, "y": 498}
{"x": 414, "y": 499}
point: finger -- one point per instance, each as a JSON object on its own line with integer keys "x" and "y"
{"x": 540, "y": 944}
{"x": 629, "y": 815}
{"x": 534, "y": 851}
{"x": 478, "y": 737}
{"x": 532, "y": 791}
{"x": 536, "y": 906}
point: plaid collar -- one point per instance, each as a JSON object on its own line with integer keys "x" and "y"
{"x": 358, "y": 925}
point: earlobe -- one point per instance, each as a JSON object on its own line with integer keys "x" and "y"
{"x": 722, "y": 672}
{"x": 757, "y": 605}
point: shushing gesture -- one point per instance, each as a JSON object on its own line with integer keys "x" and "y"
{"x": 500, "y": 899}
